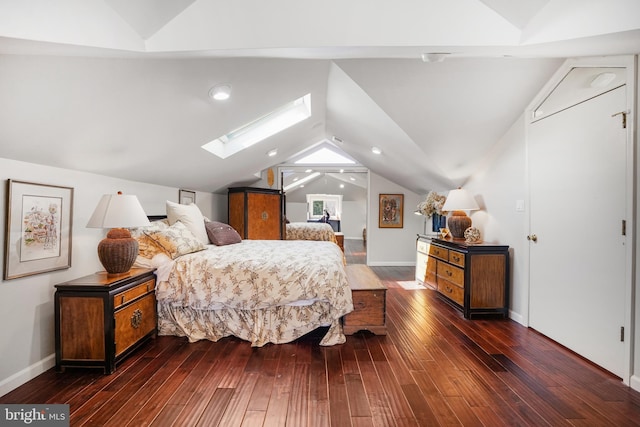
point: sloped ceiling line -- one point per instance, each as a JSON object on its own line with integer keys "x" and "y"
{"x": 147, "y": 17}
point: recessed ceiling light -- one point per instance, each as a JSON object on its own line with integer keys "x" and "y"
{"x": 220, "y": 92}
{"x": 376, "y": 150}
{"x": 341, "y": 170}
{"x": 352, "y": 178}
{"x": 309, "y": 170}
{"x": 341, "y": 185}
{"x": 272, "y": 153}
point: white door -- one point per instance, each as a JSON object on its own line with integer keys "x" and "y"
{"x": 577, "y": 263}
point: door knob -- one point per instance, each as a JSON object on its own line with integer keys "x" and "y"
{"x": 532, "y": 237}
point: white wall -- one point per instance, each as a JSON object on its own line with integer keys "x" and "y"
{"x": 635, "y": 379}
{"x": 27, "y": 342}
{"x": 392, "y": 246}
{"x": 496, "y": 188}
{"x": 296, "y": 212}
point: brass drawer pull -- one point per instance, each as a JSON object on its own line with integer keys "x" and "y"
{"x": 456, "y": 258}
{"x": 136, "y": 319}
{"x": 449, "y": 289}
{"x": 449, "y": 273}
{"x": 122, "y": 300}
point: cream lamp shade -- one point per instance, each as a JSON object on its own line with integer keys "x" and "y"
{"x": 458, "y": 201}
{"x": 118, "y": 251}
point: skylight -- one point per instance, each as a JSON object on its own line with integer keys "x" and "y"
{"x": 301, "y": 182}
{"x": 261, "y": 128}
{"x": 325, "y": 156}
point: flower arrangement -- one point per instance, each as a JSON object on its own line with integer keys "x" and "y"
{"x": 432, "y": 204}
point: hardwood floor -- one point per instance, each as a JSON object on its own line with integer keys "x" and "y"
{"x": 433, "y": 368}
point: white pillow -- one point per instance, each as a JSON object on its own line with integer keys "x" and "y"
{"x": 190, "y": 216}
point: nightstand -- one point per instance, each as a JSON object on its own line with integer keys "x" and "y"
{"x": 101, "y": 318}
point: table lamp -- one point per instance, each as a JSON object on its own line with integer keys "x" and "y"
{"x": 457, "y": 202}
{"x": 118, "y": 251}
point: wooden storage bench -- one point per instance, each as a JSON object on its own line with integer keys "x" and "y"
{"x": 369, "y": 301}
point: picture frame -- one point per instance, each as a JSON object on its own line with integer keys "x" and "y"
{"x": 186, "y": 197}
{"x": 391, "y": 210}
{"x": 39, "y": 224}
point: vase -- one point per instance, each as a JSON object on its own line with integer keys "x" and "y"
{"x": 435, "y": 222}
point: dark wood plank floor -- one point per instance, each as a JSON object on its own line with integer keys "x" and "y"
{"x": 433, "y": 368}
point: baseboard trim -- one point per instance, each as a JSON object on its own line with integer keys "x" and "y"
{"x": 391, "y": 264}
{"x": 516, "y": 317}
{"x": 27, "y": 374}
{"x": 635, "y": 382}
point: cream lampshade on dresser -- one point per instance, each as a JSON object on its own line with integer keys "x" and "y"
{"x": 458, "y": 201}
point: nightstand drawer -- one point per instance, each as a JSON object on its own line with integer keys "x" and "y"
{"x": 127, "y": 296}
{"x": 450, "y": 273}
{"x": 452, "y": 291}
{"x": 134, "y": 322}
{"x": 456, "y": 258}
{"x": 439, "y": 252}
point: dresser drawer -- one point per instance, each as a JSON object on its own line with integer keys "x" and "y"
{"x": 422, "y": 247}
{"x": 369, "y": 309}
{"x": 439, "y": 252}
{"x": 134, "y": 321}
{"x": 451, "y": 290}
{"x": 456, "y": 258}
{"x": 430, "y": 273}
{"x": 129, "y": 295}
{"x": 450, "y": 273}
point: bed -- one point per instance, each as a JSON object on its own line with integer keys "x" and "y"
{"x": 310, "y": 231}
{"x": 262, "y": 291}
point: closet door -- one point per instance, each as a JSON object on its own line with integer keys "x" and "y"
{"x": 577, "y": 161}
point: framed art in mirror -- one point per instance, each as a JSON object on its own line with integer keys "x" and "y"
{"x": 38, "y": 228}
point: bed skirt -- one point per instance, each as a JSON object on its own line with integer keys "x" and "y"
{"x": 276, "y": 325}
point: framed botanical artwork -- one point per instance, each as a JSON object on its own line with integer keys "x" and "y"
{"x": 186, "y": 197}
{"x": 38, "y": 228}
{"x": 391, "y": 210}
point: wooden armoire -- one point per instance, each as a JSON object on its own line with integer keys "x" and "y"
{"x": 256, "y": 213}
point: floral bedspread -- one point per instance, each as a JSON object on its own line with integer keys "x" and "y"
{"x": 310, "y": 231}
{"x": 259, "y": 290}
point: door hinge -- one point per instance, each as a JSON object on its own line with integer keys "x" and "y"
{"x": 624, "y": 118}
{"x": 624, "y": 227}
{"x": 621, "y": 333}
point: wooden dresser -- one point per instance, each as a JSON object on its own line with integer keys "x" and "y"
{"x": 473, "y": 277}
{"x": 101, "y": 318}
{"x": 256, "y": 213}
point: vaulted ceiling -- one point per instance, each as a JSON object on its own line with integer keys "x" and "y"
{"x": 120, "y": 87}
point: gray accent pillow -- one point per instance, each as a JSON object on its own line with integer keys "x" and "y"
{"x": 221, "y": 234}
